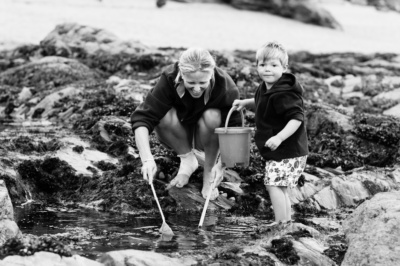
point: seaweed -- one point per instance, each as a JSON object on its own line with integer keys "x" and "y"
{"x": 284, "y": 251}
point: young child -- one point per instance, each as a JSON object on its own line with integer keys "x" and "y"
{"x": 281, "y": 135}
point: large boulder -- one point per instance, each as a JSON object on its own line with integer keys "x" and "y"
{"x": 69, "y": 37}
{"x": 372, "y": 232}
{"x": 307, "y": 11}
{"x": 380, "y": 4}
{"x": 8, "y": 227}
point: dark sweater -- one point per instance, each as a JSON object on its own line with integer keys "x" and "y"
{"x": 167, "y": 94}
{"x": 274, "y": 109}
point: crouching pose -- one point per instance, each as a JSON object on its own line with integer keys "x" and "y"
{"x": 191, "y": 99}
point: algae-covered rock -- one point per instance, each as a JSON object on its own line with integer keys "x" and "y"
{"x": 48, "y": 72}
{"x": 372, "y": 231}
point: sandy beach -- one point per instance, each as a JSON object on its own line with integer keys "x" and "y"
{"x": 214, "y": 26}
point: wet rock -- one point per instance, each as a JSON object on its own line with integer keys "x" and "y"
{"x": 232, "y": 188}
{"x": 189, "y": 198}
{"x": 8, "y": 227}
{"x": 312, "y": 185}
{"x": 46, "y": 105}
{"x": 87, "y": 158}
{"x": 372, "y": 231}
{"x": 310, "y": 252}
{"x": 322, "y": 118}
{"x": 142, "y": 258}
{"x": 47, "y": 259}
{"x": 327, "y": 199}
{"x": 394, "y": 111}
{"x": 47, "y": 73}
{"x": 6, "y": 208}
{"x": 24, "y": 95}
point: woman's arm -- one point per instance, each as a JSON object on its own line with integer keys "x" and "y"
{"x": 149, "y": 167}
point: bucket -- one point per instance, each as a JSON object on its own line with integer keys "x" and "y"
{"x": 234, "y": 143}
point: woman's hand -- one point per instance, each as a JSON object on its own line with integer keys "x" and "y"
{"x": 149, "y": 170}
{"x": 217, "y": 173}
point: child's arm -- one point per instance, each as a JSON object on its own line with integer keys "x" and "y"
{"x": 240, "y": 104}
{"x": 291, "y": 127}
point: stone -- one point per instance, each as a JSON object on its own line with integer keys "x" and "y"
{"x": 393, "y": 111}
{"x": 142, "y": 258}
{"x": 24, "y": 95}
{"x": 372, "y": 232}
{"x": 350, "y": 191}
{"x": 48, "y": 102}
{"x": 6, "y": 208}
{"x": 232, "y": 187}
{"x": 327, "y": 199}
{"x": 8, "y": 229}
{"x": 48, "y": 259}
{"x": 68, "y": 36}
{"x": 319, "y": 115}
{"x": 388, "y": 95}
{"x": 48, "y": 72}
{"x": 309, "y": 253}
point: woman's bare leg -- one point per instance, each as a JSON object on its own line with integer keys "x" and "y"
{"x": 171, "y": 132}
{"x": 207, "y": 124}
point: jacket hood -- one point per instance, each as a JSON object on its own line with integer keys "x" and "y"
{"x": 287, "y": 82}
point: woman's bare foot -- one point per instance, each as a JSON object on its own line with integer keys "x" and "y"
{"x": 187, "y": 167}
{"x": 179, "y": 181}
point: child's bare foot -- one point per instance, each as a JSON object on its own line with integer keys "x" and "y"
{"x": 206, "y": 188}
{"x": 179, "y": 181}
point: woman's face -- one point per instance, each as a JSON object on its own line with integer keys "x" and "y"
{"x": 197, "y": 82}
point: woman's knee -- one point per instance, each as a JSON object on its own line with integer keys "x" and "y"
{"x": 212, "y": 118}
{"x": 170, "y": 119}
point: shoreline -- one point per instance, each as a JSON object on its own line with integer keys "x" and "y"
{"x": 213, "y": 26}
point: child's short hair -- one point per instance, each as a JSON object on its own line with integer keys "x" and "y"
{"x": 272, "y": 50}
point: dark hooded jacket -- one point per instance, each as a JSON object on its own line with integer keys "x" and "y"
{"x": 274, "y": 109}
{"x": 167, "y": 94}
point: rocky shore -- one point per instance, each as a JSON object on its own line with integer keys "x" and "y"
{"x": 80, "y": 85}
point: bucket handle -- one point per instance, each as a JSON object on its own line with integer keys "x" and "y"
{"x": 229, "y": 115}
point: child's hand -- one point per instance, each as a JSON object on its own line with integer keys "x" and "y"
{"x": 239, "y": 104}
{"x": 273, "y": 143}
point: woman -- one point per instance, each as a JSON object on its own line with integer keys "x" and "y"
{"x": 190, "y": 100}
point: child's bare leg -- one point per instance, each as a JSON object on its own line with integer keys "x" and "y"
{"x": 278, "y": 201}
{"x": 210, "y": 120}
{"x": 288, "y": 204}
{"x": 171, "y": 132}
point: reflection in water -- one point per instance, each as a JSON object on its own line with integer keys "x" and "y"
{"x": 91, "y": 232}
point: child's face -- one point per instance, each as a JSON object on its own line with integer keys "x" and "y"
{"x": 270, "y": 70}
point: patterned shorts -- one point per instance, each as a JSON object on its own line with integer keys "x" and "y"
{"x": 284, "y": 173}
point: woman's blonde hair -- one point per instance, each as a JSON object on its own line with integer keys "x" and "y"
{"x": 272, "y": 50}
{"x": 195, "y": 59}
